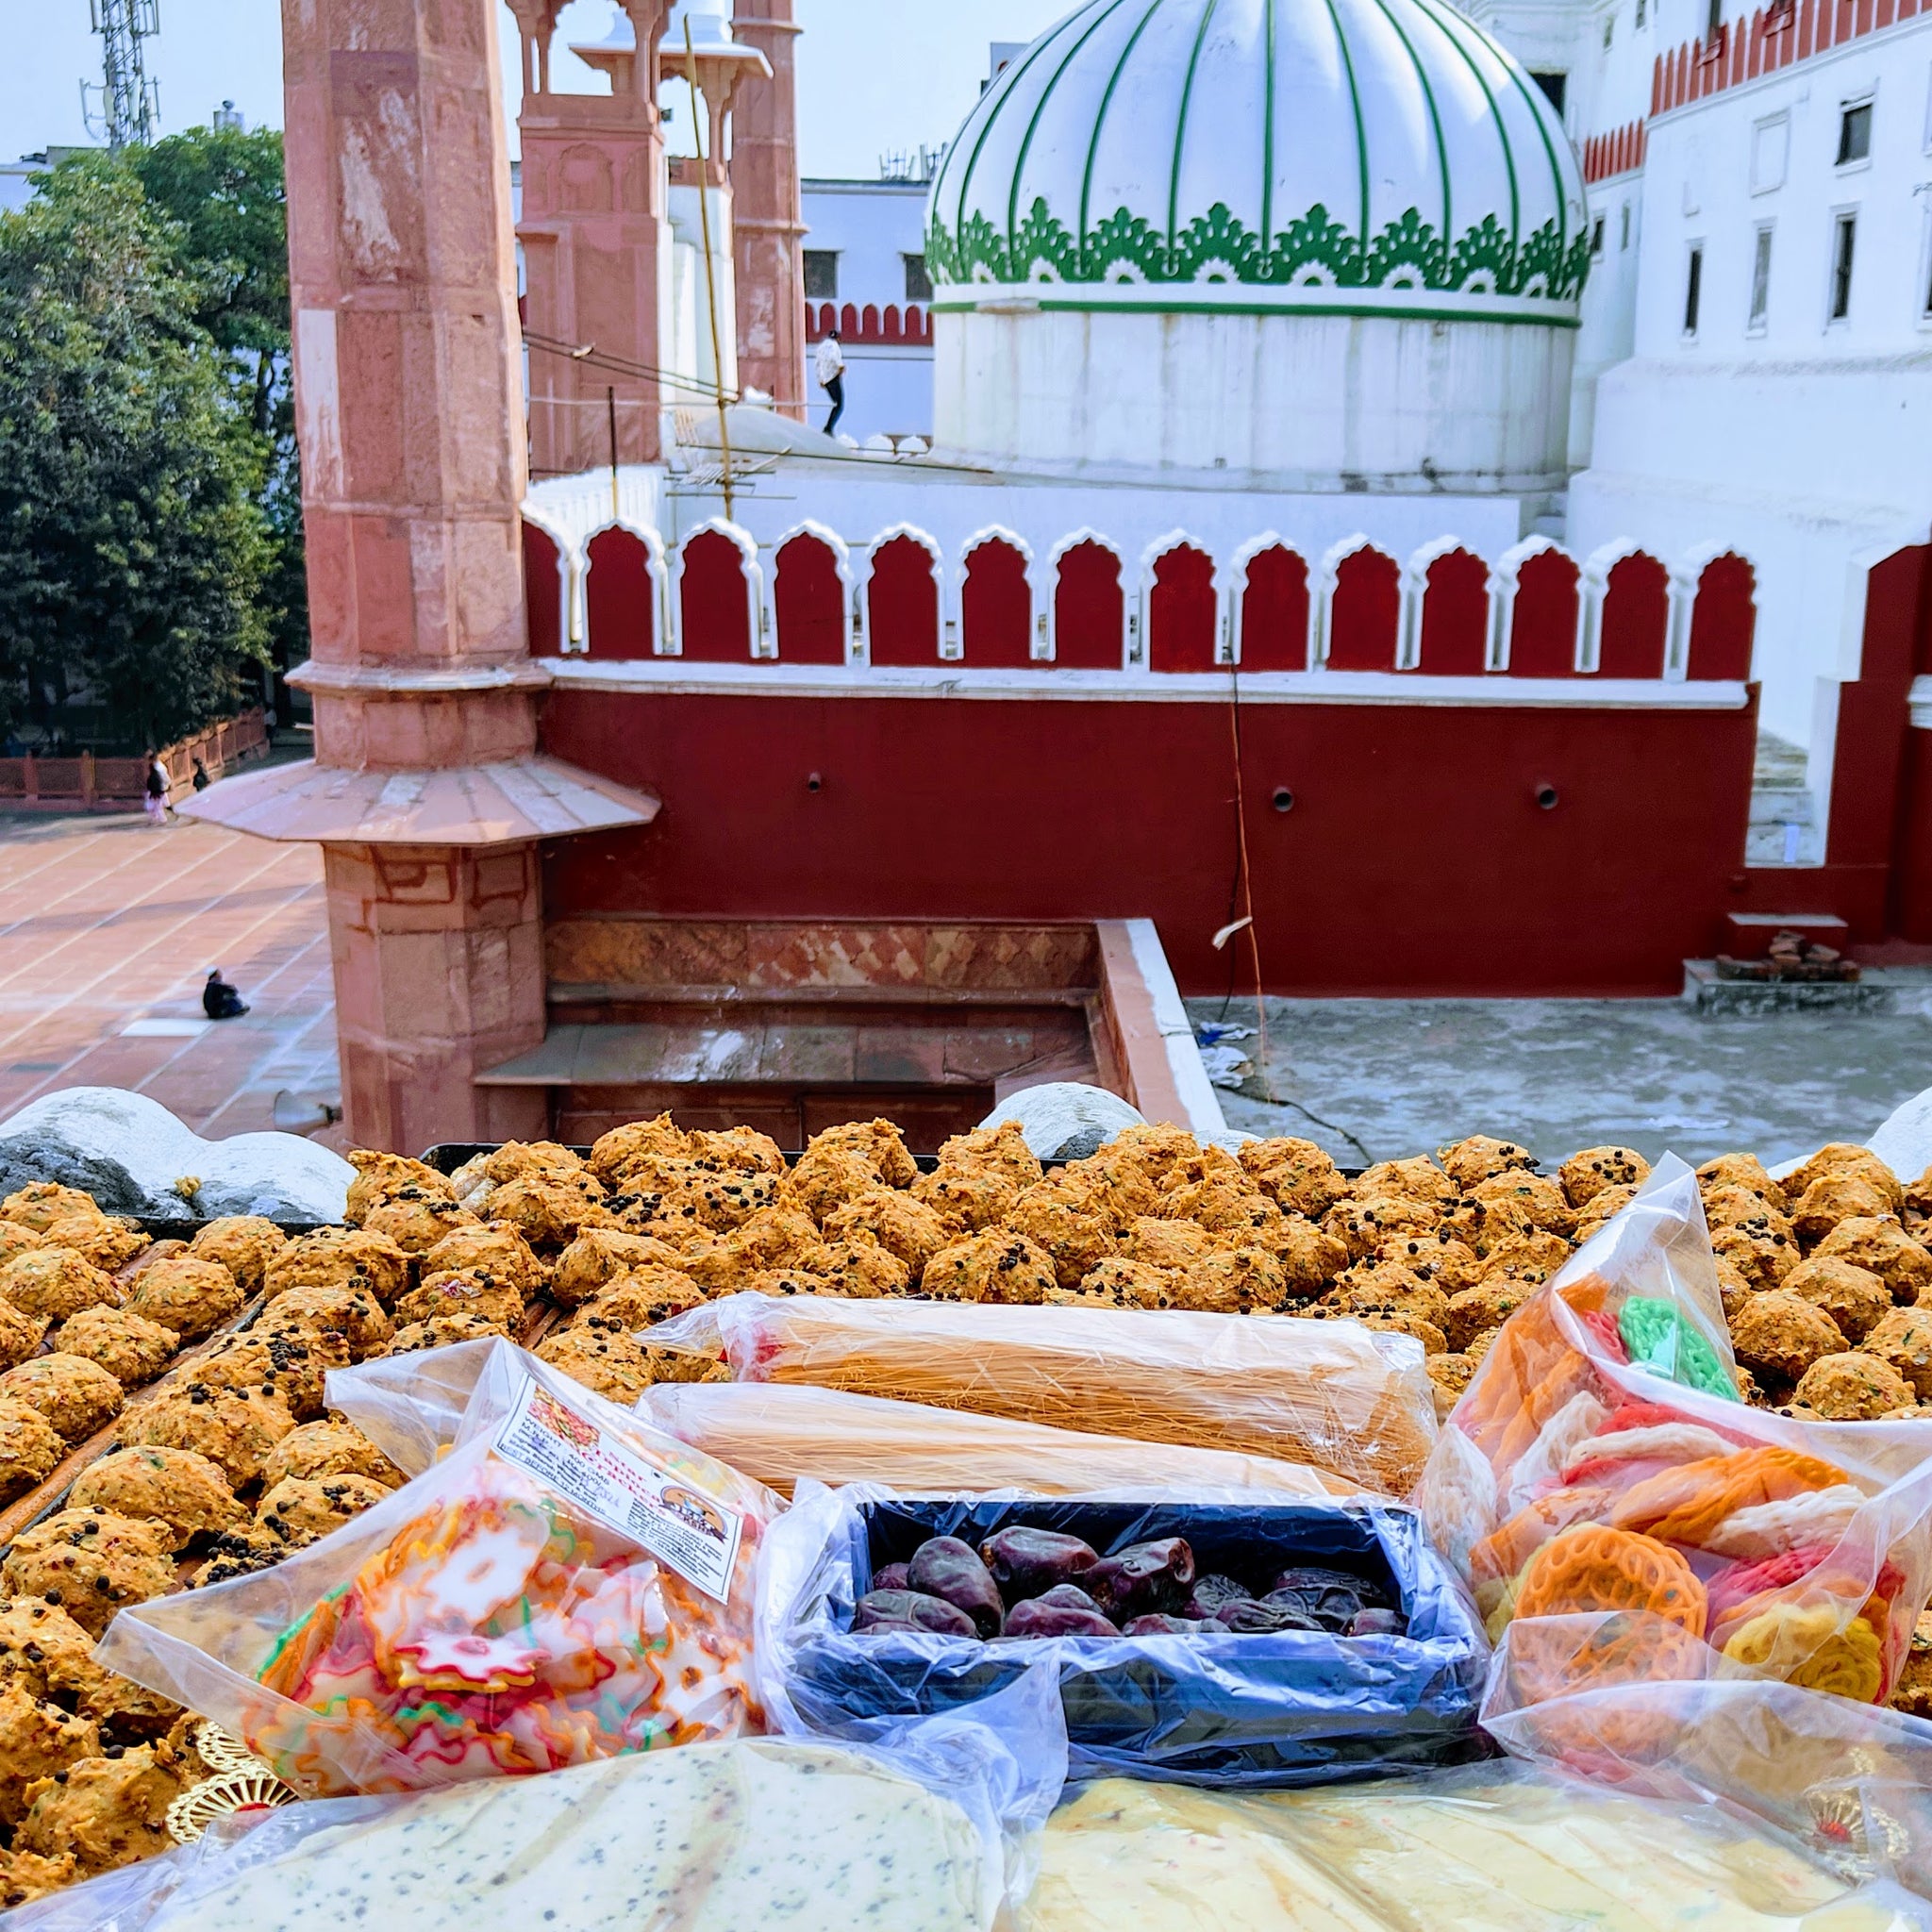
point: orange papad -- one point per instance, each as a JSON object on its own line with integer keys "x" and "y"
{"x": 1592, "y": 1568}
{"x": 1685, "y": 1505}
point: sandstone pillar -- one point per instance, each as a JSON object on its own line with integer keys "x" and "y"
{"x": 437, "y": 952}
{"x": 427, "y": 792}
{"x": 769, "y": 228}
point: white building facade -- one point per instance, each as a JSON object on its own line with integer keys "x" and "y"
{"x": 865, "y": 272}
{"x": 1756, "y": 357}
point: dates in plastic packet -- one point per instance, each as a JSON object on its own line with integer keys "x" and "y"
{"x": 567, "y": 1585}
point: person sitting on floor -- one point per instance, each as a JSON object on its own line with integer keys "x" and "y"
{"x": 219, "y": 1000}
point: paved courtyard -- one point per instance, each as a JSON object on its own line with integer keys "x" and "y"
{"x": 1371, "y": 1079}
{"x": 108, "y": 926}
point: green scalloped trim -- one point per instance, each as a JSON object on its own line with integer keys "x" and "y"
{"x": 1218, "y": 246}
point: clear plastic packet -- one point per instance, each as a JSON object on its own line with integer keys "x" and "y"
{"x": 1621, "y": 1519}
{"x": 1257, "y": 1707}
{"x": 1487, "y": 1848}
{"x": 566, "y": 1584}
{"x": 1334, "y": 1395}
{"x": 1850, "y": 1784}
{"x": 413, "y": 1406}
{"x": 781, "y": 1435}
{"x": 932, "y": 1831}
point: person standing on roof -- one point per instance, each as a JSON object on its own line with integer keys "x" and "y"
{"x": 831, "y": 375}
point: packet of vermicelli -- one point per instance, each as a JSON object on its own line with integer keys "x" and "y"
{"x": 1335, "y": 1395}
{"x": 782, "y": 1434}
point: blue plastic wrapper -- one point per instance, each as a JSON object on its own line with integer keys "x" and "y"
{"x": 1225, "y": 1711}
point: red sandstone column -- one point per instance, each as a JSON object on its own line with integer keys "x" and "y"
{"x": 439, "y": 971}
{"x": 409, "y": 406}
{"x": 769, "y": 226}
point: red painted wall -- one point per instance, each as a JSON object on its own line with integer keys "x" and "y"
{"x": 617, "y": 595}
{"x": 903, "y": 605}
{"x": 1877, "y": 871}
{"x": 1180, "y": 611}
{"x": 1089, "y": 610}
{"x": 1366, "y": 613}
{"x": 995, "y": 605}
{"x": 1636, "y": 617}
{"x": 1723, "y": 620}
{"x": 1542, "y": 626}
{"x": 717, "y": 611}
{"x": 1275, "y": 612}
{"x": 808, "y": 603}
{"x": 1416, "y": 859}
{"x": 542, "y": 592}
{"x": 1455, "y": 616}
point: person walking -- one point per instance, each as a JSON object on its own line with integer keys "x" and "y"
{"x": 831, "y": 375}
{"x": 158, "y": 786}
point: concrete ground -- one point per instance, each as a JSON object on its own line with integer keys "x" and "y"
{"x": 1374, "y": 1080}
{"x": 108, "y": 926}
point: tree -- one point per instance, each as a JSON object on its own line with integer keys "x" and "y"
{"x": 226, "y": 191}
{"x": 133, "y": 544}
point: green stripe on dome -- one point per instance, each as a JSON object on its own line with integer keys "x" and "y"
{"x": 1525, "y": 89}
{"x": 1317, "y": 261}
{"x": 997, "y": 99}
{"x": 1361, "y": 130}
{"x": 1432, "y": 13}
{"x": 1180, "y": 132}
{"x": 1422, "y": 75}
{"x": 1101, "y": 17}
{"x": 1113, "y": 80}
{"x": 1268, "y": 137}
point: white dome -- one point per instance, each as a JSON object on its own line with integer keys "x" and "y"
{"x": 1379, "y": 157}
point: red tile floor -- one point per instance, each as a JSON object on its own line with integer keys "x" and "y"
{"x": 108, "y": 924}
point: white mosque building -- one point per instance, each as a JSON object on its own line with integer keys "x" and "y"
{"x": 1752, "y": 366}
{"x": 1575, "y": 357}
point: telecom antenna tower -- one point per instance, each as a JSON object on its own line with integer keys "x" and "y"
{"x": 125, "y": 106}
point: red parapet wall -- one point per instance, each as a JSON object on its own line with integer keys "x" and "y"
{"x": 1081, "y": 603}
{"x": 1619, "y": 152}
{"x": 870, "y": 327}
{"x": 1491, "y": 851}
{"x": 1776, "y": 36}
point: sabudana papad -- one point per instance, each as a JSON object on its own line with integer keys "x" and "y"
{"x": 708, "y": 1837}
{"x": 1494, "y": 1852}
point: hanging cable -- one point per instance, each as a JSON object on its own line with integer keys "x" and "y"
{"x": 1245, "y": 874}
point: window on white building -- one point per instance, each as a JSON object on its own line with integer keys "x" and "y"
{"x": 1760, "y": 280}
{"x": 1844, "y": 242}
{"x": 1693, "y": 285}
{"x": 1770, "y": 148}
{"x": 1596, "y": 237}
{"x": 1623, "y": 230}
{"x": 1609, "y": 28}
{"x": 1854, "y": 134}
{"x": 820, "y": 274}
{"x": 1552, "y": 84}
{"x": 1643, "y": 11}
{"x": 917, "y": 283}
{"x": 1925, "y": 279}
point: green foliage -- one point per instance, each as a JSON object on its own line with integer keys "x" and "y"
{"x": 150, "y": 528}
{"x": 225, "y": 189}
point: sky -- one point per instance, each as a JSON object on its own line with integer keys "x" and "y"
{"x": 876, "y": 76}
